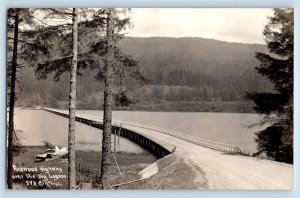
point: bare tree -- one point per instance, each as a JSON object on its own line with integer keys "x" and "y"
{"x": 72, "y": 104}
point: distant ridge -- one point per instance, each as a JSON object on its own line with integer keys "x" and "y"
{"x": 193, "y": 37}
{"x": 185, "y": 74}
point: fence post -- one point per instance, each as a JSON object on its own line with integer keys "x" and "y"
{"x": 119, "y": 133}
{"x": 115, "y": 134}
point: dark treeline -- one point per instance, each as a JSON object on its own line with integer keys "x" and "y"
{"x": 191, "y": 70}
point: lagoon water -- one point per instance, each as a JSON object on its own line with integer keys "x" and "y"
{"x": 39, "y": 126}
{"x": 231, "y": 128}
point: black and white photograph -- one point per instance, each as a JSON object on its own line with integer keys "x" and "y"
{"x": 150, "y": 98}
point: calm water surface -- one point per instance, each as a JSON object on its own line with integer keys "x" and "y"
{"x": 232, "y": 128}
{"x": 39, "y": 125}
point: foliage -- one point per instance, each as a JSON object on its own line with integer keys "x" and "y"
{"x": 121, "y": 99}
{"x": 277, "y": 139}
{"x": 21, "y": 51}
{"x": 114, "y": 62}
{"x": 175, "y": 72}
{"x": 91, "y": 48}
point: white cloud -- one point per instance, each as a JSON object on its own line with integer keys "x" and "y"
{"x": 228, "y": 24}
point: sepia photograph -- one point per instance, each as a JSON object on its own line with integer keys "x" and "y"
{"x": 150, "y": 98}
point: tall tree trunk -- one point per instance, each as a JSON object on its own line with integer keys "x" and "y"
{"x": 107, "y": 117}
{"x": 72, "y": 105}
{"x": 12, "y": 103}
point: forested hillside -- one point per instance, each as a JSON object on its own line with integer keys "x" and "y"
{"x": 184, "y": 74}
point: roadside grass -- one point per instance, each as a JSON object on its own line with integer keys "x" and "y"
{"x": 174, "y": 172}
{"x": 90, "y": 164}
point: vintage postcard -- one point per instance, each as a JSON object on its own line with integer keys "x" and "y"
{"x": 150, "y": 98}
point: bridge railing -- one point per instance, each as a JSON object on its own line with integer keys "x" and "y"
{"x": 196, "y": 140}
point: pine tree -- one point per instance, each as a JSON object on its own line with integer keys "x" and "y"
{"x": 69, "y": 56}
{"x": 107, "y": 106}
{"x": 35, "y": 45}
{"x": 115, "y": 64}
{"x": 12, "y": 101}
{"x": 21, "y": 52}
{"x": 276, "y": 141}
{"x": 72, "y": 67}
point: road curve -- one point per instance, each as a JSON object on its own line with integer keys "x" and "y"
{"x": 229, "y": 172}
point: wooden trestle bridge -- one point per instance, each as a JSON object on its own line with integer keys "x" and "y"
{"x": 139, "y": 134}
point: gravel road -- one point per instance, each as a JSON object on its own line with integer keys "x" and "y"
{"x": 228, "y": 171}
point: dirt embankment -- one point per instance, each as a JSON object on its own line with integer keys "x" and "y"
{"x": 174, "y": 172}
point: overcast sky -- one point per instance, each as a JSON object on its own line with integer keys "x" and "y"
{"x": 233, "y": 25}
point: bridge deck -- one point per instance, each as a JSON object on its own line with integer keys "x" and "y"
{"x": 139, "y": 129}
